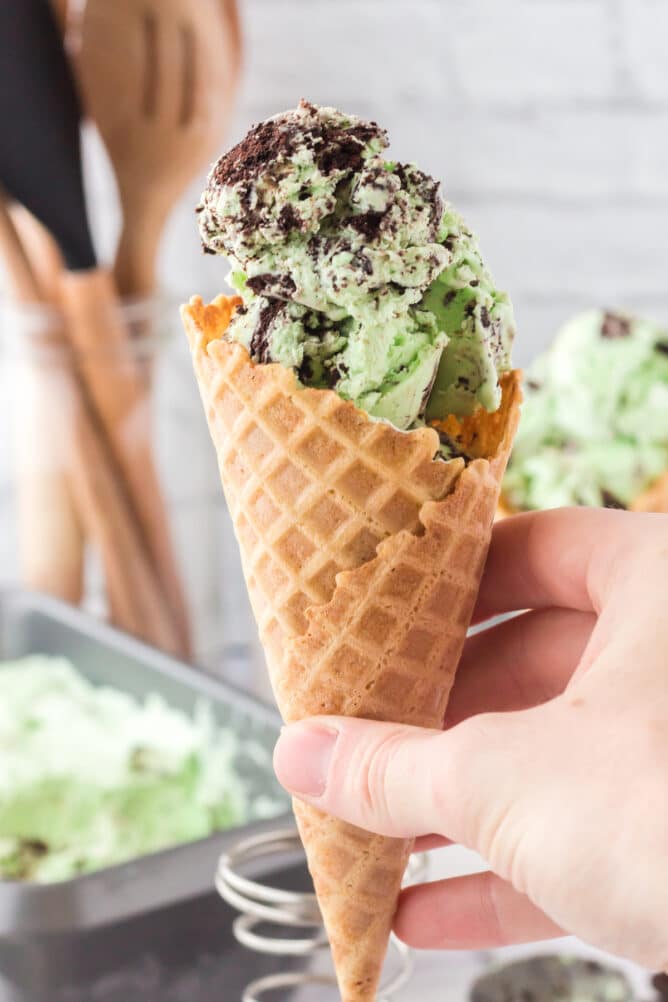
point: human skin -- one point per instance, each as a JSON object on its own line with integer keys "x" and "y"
{"x": 553, "y": 763}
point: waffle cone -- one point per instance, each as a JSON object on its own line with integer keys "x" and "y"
{"x": 362, "y": 557}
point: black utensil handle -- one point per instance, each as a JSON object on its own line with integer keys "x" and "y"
{"x": 40, "y": 114}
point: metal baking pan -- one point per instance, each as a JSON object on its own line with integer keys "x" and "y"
{"x": 142, "y": 928}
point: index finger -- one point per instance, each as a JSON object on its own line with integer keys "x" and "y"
{"x": 566, "y": 557}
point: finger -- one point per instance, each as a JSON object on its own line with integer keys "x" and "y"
{"x": 469, "y": 913}
{"x": 425, "y": 843}
{"x": 364, "y": 772}
{"x": 520, "y": 663}
{"x": 560, "y": 558}
{"x": 407, "y": 781}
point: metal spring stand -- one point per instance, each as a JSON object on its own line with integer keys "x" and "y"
{"x": 259, "y": 903}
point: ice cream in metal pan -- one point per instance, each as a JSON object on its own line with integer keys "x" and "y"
{"x": 90, "y": 776}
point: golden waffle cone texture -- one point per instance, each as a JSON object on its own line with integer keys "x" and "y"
{"x": 362, "y": 558}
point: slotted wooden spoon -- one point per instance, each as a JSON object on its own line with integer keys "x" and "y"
{"x": 158, "y": 78}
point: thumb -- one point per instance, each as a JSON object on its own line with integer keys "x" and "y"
{"x": 406, "y": 781}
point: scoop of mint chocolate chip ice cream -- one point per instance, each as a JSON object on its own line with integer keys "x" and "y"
{"x": 352, "y": 272}
{"x": 594, "y": 426}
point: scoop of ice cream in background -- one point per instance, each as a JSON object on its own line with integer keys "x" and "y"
{"x": 352, "y": 272}
{"x": 594, "y": 426}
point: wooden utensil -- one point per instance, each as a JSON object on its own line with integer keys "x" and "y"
{"x": 41, "y": 168}
{"x": 136, "y": 601}
{"x": 61, "y": 8}
{"x": 50, "y": 535}
{"x": 41, "y": 249}
{"x": 158, "y": 78}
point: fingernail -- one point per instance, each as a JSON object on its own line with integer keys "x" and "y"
{"x": 302, "y": 756}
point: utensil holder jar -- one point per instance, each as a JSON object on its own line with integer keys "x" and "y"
{"x": 62, "y": 494}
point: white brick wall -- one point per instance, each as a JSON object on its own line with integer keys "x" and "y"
{"x": 508, "y": 55}
{"x": 645, "y": 31}
{"x": 547, "y": 121}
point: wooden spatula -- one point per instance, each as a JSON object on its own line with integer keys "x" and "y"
{"x": 41, "y": 168}
{"x": 158, "y": 78}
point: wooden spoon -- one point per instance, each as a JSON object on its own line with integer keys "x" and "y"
{"x": 158, "y": 78}
{"x": 61, "y": 10}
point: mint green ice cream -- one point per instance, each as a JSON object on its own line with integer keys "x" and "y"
{"x": 594, "y": 425}
{"x": 90, "y": 776}
{"x": 352, "y": 272}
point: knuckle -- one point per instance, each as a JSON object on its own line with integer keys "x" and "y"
{"x": 501, "y": 841}
{"x": 491, "y": 911}
{"x": 442, "y": 786}
{"x": 477, "y": 772}
{"x": 374, "y": 786}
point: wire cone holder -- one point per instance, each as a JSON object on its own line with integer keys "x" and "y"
{"x": 261, "y": 904}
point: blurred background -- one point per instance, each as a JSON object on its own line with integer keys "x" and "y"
{"x": 547, "y": 121}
